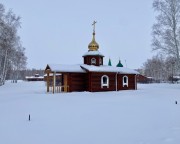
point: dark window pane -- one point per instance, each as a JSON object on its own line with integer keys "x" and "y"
{"x": 125, "y": 79}
{"x": 104, "y": 80}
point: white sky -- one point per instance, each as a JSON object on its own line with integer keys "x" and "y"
{"x": 59, "y": 31}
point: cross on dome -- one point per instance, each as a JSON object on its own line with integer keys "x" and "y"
{"x": 94, "y": 24}
{"x": 93, "y": 45}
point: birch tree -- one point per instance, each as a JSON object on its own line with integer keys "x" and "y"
{"x": 166, "y": 30}
{"x": 161, "y": 69}
{"x": 10, "y": 44}
{"x": 155, "y": 68}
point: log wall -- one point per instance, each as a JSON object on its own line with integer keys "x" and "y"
{"x": 77, "y": 82}
{"x": 131, "y": 82}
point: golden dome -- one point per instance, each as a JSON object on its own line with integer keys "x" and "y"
{"x": 93, "y": 45}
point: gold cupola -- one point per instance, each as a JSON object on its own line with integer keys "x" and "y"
{"x": 93, "y": 45}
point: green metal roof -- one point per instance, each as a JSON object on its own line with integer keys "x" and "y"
{"x": 109, "y": 63}
{"x": 119, "y": 64}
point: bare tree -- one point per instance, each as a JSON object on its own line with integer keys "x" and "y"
{"x": 166, "y": 30}
{"x": 18, "y": 62}
{"x": 155, "y": 68}
{"x": 160, "y": 68}
{"x": 11, "y": 52}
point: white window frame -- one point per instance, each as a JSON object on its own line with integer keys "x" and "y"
{"x": 125, "y": 83}
{"x": 104, "y": 84}
{"x": 93, "y": 61}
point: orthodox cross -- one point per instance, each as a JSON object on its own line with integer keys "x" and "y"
{"x": 94, "y": 23}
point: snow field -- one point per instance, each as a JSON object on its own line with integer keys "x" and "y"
{"x": 146, "y": 116}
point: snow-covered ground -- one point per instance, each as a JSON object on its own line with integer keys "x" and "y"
{"x": 146, "y": 116}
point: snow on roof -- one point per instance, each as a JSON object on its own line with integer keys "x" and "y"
{"x": 93, "y": 53}
{"x": 31, "y": 77}
{"x": 91, "y": 68}
{"x": 105, "y": 68}
{"x": 150, "y": 77}
{"x": 66, "y": 68}
{"x": 177, "y": 77}
{"x": 51, "y": 74}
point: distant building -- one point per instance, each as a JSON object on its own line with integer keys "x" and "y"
{"x": 144, "y": 79}
{"x": 176, "y": 79}
{"x": 36, "y": 77}
{"x": 91, "y": 76}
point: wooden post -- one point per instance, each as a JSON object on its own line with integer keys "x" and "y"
{"x": 54, "y": 82}
{"x": 116, "y": 77}
{"x": 48, "y": 82}
{"x": 135, "y": 82}
{"x": 65, "y": 82}
{"x": 29, "y": 117}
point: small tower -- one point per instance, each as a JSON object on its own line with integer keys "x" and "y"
{"x": 93, "y": 56}
{"x": 109, "y": 63}
{"x": 119, "y": 64}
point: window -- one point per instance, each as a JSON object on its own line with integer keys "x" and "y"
{"x": 100, "y": 61}
{"x": 125, "y": 81}
{"x": 105, "y": 81}
{"x": 93, "y": 61}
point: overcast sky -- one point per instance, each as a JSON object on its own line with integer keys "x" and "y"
{"x": 59, "y": 31}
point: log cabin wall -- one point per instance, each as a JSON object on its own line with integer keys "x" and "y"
{"x": 95, "y": 82}
{"x": 77, "y": 82}
{"x": 131, "y": 82}
{"x": 66, "y": 81}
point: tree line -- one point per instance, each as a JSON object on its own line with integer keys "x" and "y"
{"x": 160, "y": 68}
{"x": 22, "y": 74}
{"x": 166, "y": 41}
{"x": 12, "y": 53}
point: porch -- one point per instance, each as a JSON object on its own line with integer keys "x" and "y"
{"x": 56, "y": 82}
